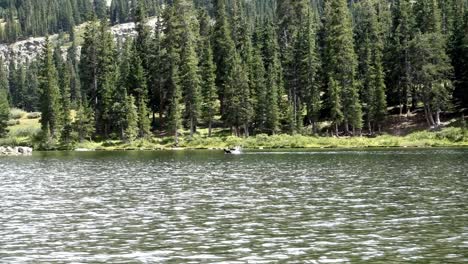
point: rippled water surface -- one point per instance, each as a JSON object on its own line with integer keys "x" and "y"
{"x": 379, "y": 206}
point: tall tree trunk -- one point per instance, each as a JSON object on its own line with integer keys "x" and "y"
{"x": 437, "y": 118}
{"x": 191, "y": 126}
{"x": 246, "y": 130}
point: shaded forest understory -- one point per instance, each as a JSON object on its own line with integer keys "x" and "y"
{"x": 235, "y": 72}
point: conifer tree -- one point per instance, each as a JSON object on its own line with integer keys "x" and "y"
{"x": 397, "y": 61}
{"x": 208, "y": 80}
{"x": 32, "y": 88}
{"x": 84, "y": 122}
{"x": 431, "y": 64}
{"x": 308, "y": 67}
{"x": 274, "y": 83}
{"x": 131, "y": 129}
{"x": 223, "y": 51}
{"x": 137, "y": 87}
{"x": 107, "y": 73}
{"x": 157, "y": 73}
{"x": 4, "y": 113}
{"x": 341, "y": 62}
{"x": 189, "y": 73}
{"x": 89, "y": 63}
{"x": 370, "y": 71}
{"x": 458, "y": 49}
{"x": 49, "y": 94}
{"x": 3, "y": 76}
{"x": 72, "y": 60}
{"x": 259, "y": 90}
{"x": 175, "y": 115}
{"x": 65, "y": 135}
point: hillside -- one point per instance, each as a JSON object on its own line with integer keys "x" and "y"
{"x": 27, "y": 50}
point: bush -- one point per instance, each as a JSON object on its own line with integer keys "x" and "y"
{"x": 33, "y": 115}
{"x": 16, "y": 113}
{"x": 25, "y": 132}
{"x": 13, "y": 122}
{"x": 454, "y": 134}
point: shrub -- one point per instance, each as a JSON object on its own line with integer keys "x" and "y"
{"x": 33, "y": 115}
{"x": 16, "y": 113}
{"x": 13, "y": 122}
{"x": 25, "y": 132}
{"x": 454, "y": 134}
{"x": 10, "y": 141}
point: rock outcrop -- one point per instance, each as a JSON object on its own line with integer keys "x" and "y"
{"x": 27, "y": 50}
{"x": 15, "y": 151}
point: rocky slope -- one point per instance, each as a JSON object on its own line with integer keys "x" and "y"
{"x": 27, "y": 50}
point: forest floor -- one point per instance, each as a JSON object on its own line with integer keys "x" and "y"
{"x": 398, "y": 131}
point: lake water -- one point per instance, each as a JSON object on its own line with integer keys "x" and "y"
{"x": 374, "y": 206}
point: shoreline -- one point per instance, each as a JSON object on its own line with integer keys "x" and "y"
{"x": 450, "y": 137}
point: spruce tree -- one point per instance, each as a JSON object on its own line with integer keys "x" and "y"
{"x": 259, "y": 90}
{"x": 3, "y": 76}
{"x": 397, "y": 61}
{"x": 89, "y": 63}
{"x": 430, "y": 62}
{"x": 274, "y": 83}
{"x": 341, "y": 62}
{"x": 107, "y": 72}
{"x": 308, "y": 66}
{"x": 208, "y": 84}
{"x": 137, "y": 87}
{"x": 458, "y": 49}
{"x": 49, "y": 94}
{"x": 189, "y": 73}
{"x": 131, "y": 127}
{"x": 72, "y": 60}
{"x": 4, "y": 113}
{"x": 370, "y": 70}
{"x": 223, "y": 51}
{"x": 65, "y": 135}
{"x": 84, "y": 122}
{"x": 175, "y": 115}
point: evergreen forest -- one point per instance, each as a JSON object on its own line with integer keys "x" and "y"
{"x": 250, "y": 67}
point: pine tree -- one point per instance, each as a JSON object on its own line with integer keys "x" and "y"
{"x": 431, "y": 64}
{"x": 341, "y": 62}
{"x": 397, "y": 60}
{"x": 175, "y": 115}
{"x": 208, "y": 82}
{"x": 4, "y": 113}
{"x": 137, "y": 87}
{"x": 189, "y": 72}
{"x": 32, "y": 88}
{"x": 65, "y": 136}
{"x": 308, "y": 67}
{"x": 72, "y": 60}
{"x": 157, "y": 73}
{"x": 107, "y": 73}
{"x": 259, "y": 90}
{"x": 49, "y": 94}
{"x": 336, "y": 112}
{"x": 370, "y": 71}
{"x": 131, "y": 129}
{"x": 84, "y": 122}
{"x": 274, "y": 83}
{"x": 458, "y": 49}
{"x": 3, "y": 77}
{"x": 223, "y": 51}
{"x": 89, "y": 63}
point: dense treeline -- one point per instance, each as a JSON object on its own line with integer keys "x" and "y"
{"x": 249, "y": 66}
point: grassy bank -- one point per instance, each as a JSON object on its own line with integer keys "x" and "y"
{"x": 24, "y": 129}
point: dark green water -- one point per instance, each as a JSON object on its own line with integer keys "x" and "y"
{"x": 378, "y": 206}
